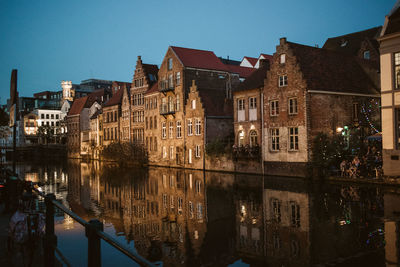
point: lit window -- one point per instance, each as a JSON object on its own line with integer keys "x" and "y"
{"x": 283, "y": 80}
{"x": 253, "y": 138}
{"x": 273, "y": 108}
{"x": 293, "y": 138}
{"x": 292, "y": 106}
{"x": 274, "y": 133}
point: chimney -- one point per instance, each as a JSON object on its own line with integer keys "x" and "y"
{"x": 282, "y": 41}
{"x": 264, "y": 64}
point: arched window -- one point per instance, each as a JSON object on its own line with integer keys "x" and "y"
{"x": 253, "y": 138}
{"x": 241, "y": 138}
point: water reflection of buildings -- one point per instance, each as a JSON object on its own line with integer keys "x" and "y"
{"x": 187, "y": 217}
{"x": 287, "y": 223}
{"x": 392, "y": 227}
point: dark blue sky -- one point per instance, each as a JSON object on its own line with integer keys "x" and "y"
{"x": 49, "y": 40}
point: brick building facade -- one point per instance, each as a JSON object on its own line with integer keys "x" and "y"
{"x": 309, "y": 90}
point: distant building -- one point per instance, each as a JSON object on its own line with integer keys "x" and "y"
{"x": 362, "y": 44}
{"x": 390, "y": 91}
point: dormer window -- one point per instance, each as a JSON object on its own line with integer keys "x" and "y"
{"x": 282, "y": 59}
{"x": 367, "y": 55}
{"x": 170, "y": 64}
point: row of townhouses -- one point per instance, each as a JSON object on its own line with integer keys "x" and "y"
{"x": 269, "y": 109}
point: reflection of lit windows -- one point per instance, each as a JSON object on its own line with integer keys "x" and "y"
{"x": 190, "y": 210}
{"x": 294, "y": 214}
{"x": 198, "y": 187}
{"x": 294, "y": 248}
{"x": 165, "y": 201}
{"x": 276, "y": 210}
{"x": 276, "y": 241}
{"x": 180, "y": 204}
{"x": 199, "y": 211}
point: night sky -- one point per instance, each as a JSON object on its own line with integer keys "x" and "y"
{"x": 49, "y": 41}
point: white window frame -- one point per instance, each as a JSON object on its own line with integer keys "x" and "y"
{"x": 178, "y": 129}
{"x": 171, "y": 152}
{"x": 274, "y": 108}
{"x": 171, "y": 129}
{"x": 197, "y": 127}
{"x": 178, "y": 78}
{"x": 193, "y": 103}
{"x": 190, "y": 127}
{"x": 292, "y": 106}
{"x": 198, "y": 151}
{"x": 283, "y": 80}
{"x": 240, "y": 104}
{"x": 253, "y": 102}
{"x": 164, "y": 152}
{"x": 164, "y": 130}
{"x": 293, "y": 135}
{"x": 274, "y": 139}
{"x": 282, "y": 59}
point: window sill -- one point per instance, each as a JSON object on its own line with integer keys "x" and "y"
{"x": 293, "y": 150}
{"x": 274, "y": 151}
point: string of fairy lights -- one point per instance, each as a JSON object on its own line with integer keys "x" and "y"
{"x": 370, "y": 107}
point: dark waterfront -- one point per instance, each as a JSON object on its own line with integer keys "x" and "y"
{"x": 190, "y": 218}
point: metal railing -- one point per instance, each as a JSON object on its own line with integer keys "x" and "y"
{"x": 93, "y": 231}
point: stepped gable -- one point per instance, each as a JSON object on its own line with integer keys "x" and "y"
{"x": 326, "y": 70}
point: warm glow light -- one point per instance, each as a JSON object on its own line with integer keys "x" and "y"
{"x": 339, "y": 129}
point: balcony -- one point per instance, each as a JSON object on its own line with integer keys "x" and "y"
{"x": 167, "y": 89}
{"x": 167, "y": 109}
{"x": 166, "y": 86}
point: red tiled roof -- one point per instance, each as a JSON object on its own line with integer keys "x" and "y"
{"x": 77, "y": 106}
{"x": 326, "y": 70}
{"x": 243, "y": 72}
{"x": 115, "y": 99}
{"x": 251, "y": 60}
{"x": 214, "y": 102}
{"x": 152, "y": 89}
{"x": 201, "y": 59}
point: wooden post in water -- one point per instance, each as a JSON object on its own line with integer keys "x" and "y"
{"x": 50, "y": 239}
{"x": 94, "y": 245}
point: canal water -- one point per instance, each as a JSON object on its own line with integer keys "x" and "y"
{"x": 192, "y": 218}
